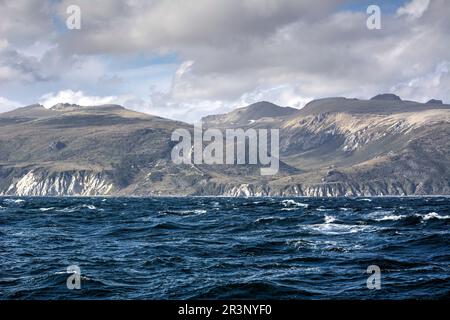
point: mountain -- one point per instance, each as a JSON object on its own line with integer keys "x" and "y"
{"x": 248, "y": 115}
{"x": 73, "y": 150}
{"x": 331, "y": 147}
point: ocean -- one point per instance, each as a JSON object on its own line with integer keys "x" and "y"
{"x": 224, "y": 248}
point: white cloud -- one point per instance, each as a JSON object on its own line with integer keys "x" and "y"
{"x": 284, "y": 95}
{"x": 414, "y": 9}
{"x": 3, "y": 44}
{"x": 76, "y": 97}
{"x": 8, "y": 105}
{"x": 184, "y": 68}
{"x": 433, "y": 85}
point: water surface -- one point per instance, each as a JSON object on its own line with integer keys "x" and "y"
{"x": 216, "y": 248}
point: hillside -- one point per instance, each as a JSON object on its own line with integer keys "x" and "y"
{"x": 331, "y": 147}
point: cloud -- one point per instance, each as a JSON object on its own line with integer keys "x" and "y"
{"x": 334, "y": 56}
{"x": 414, "y": 9}
{"x": 15, "y": 66}
{"x": 44, "y": 63}
{"x": 224, "y": 54}
{"x": 26, "y": 21}
{"x": 167, "y": 25}
{"x": 432, "y": 85}
{"x": 8, "y": 105}
{"x": 76, "y": 97}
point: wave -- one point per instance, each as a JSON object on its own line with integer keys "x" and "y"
{"x": 264, "y": 289}
{"x": 320, "y": 246}
{"x": 434, "y": 215}
{"x": 381, "y": 216}
{"x": 392, "y": 217}
{"x": 260, "y": 250}
{"x": 292, "y": 203}
{"x": 269, "y": 219}
{"x": 79, "y": 207}
{"x": 71, "y": 272}
{"x": 329, "y": 228}
{"x": 385, "y": 215}
{"x": 195, "y": 212}
{"x": 46, "y": 209}
{"x": 14, "y": 201}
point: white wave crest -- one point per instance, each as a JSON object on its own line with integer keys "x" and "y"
{"x": 46, "y": 209}
{"x": 292, "y": 203}
{"x": 77, "y": 208}
{"x": 434, "y": 215}
{"x": 185, "y": 212}
{"x": 14, "y": 200}
{"x": 391, "y": 218}
{"x": 337, "y": 229}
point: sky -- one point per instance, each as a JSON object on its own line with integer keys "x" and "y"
{"x": 186, "y": 59}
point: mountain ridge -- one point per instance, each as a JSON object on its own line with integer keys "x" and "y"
{"x": 331, "y": 147}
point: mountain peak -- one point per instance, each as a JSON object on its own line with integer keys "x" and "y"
{"x": 435, "y": 101}
{"x": 76, "y": 107}
{"x": 65, "y": 107}
{"x": 381, "y": 104}
{"x": 249, "y": 114}
{"x": 263, "y": 109}
{"x": 386, "y": 97}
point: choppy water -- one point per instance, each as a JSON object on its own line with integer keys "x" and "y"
{"x": 179, "y": 248}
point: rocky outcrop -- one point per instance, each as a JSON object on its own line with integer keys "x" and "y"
{"x": 386, "y": 96}
{"x": 69, "y": 183}
{"x": 337, "y": 189}
{"x": 83, "y": 183}
{"x": 435, "y": 101}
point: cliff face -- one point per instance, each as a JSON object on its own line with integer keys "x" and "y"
{"x": 69, "y": 183}
{"x": 332, "y": 147}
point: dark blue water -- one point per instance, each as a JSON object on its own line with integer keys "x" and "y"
{"x": 213, "y": 248}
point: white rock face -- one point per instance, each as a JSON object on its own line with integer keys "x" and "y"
{"x": 243, "y": 190}
{"x": 79, "y": 183}
{"x": 319, "y": 190}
